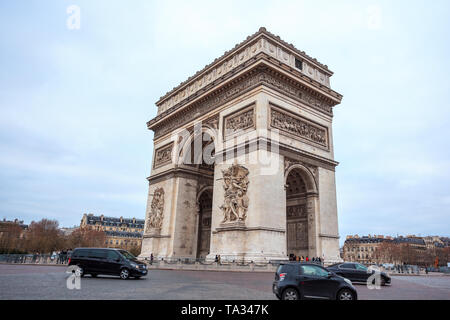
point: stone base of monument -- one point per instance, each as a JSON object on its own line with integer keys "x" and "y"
{"x": 151, "y": 242}
{"x": 234, "y": 241}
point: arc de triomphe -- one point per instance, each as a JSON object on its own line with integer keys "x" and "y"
{"x": 243, "y": 164}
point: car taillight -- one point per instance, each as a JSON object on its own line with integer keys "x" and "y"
{"x": 282, "y": 276}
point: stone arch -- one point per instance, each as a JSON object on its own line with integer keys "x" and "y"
{"x": 204, "y": 217}
{"x": 204, "y": 189}
{"x": 301, "y": 211}
{"x": 186, "y": 147}
{"x": 307, "y": 176}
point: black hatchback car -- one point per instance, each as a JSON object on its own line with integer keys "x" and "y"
{"x": 357, "y": 272}
{"x": 295, "y": 281}
{"x": 95, "y": 261}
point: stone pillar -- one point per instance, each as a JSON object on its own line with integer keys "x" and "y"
{"x": 261, "y": 236}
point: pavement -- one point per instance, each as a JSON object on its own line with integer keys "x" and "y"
{"x": 35, "y": 282}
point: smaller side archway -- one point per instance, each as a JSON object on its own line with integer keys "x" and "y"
{"x": 301, "y": 212}
{"x": 204, "y": 209}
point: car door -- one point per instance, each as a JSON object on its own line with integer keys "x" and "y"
{"x": 348, "y": 270}
{"x": 315, "y": 282}
{"x": 96, "y": 260}
{"x": 362, "y": 272}
{"x": 113, "y": 262}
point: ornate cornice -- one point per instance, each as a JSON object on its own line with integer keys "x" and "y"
{"x": 259, "y": 75}
{"x": 259, "y": 41}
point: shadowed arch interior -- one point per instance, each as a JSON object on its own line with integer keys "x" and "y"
{"x": 204, "y": 223}
{"x": 296, "y": 214}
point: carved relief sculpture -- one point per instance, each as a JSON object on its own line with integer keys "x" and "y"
{"x": 298, "y": 127}
{"x": 239, "y": 122}
{"x": 156, "y": 215}
{"x": 235, "y": 184}
{"x": 163, "y": 155}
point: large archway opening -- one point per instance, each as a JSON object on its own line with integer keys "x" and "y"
{"x": 204, "y": 224}
{"x": 296, "y": 215}
{"x": 198, "y": 156}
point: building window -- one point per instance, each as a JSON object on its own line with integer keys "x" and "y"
{"x": 298, "y": 64}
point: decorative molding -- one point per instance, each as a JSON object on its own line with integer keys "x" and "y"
{"x": 212, "y": 122}
{"x": 163, "y": 155}
{"x": 296, "y": 211}
{"x": 235, "y": 184}
{"x": 239, "y": 121}
{"x": 262, "y": 75}
{"x": 261, "y": 41}
{"x": 298, "y": 126}
{"x": 322, "y": 235}
{"x": 230, "y": 227}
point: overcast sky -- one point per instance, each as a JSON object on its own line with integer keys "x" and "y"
{"x": 74, "y": 103}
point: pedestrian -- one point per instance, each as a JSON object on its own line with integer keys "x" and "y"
{"x": 302, "y": 258}
{"x": 216, "y": 259}
{"x": 313, "y": 259}
{"x": 297, "y": 258}
{"x": 307, "y": 258}
{"x": 151, "y": 258}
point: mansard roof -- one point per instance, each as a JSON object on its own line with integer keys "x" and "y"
{"x": 124, "y": 234}
{"x": 113, "y": 221}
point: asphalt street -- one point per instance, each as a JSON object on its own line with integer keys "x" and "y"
{"x": 49, "y": 282}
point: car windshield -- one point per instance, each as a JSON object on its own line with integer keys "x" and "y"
{"x": 361, "y": 267}
{"x": 127, "y": 255}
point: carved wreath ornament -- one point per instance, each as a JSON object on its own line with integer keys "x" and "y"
{"x": 156, "y": 215}
{"x": 235, "y": 184}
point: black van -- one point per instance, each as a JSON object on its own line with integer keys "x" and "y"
{"x": 95, "y": 261}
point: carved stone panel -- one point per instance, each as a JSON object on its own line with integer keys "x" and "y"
{"x": 235, "y": 184}
{"x": 297, "y": 236}
{"x": 156, "y": 215}
{"x": 239, "y": 121}
{"x": 298, "y": 211}
{"x": 163, "y": 155}
{"x": 298, "y": 126}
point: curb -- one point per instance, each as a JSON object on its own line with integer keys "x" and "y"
{"x": 35, "y": 264}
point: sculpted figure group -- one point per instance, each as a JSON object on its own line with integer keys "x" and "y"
{"x": 156, "y": 215}
{"x": 235, "y": 184}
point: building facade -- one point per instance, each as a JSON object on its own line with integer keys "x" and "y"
{"x": 243, "y": 162}
{"x": 369, "y": 249}
{"x": 120, "y": 232}
{"x": 363, "y": 249}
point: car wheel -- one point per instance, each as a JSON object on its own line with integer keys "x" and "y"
{"x": 124, "y": 274}
{"x": 290, "y": 294}
{"x": 345, "y": 294}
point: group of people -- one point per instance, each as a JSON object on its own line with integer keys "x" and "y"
{"x": 62, "y": 257}
{"x": 217, "y": 258}
{"x": 293, "y": 257}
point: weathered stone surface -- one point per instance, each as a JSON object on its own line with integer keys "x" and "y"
{"x": 271, "y": 188}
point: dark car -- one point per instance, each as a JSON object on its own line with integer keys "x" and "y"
{"x": 295, "y": 281}
{"x": 357, "y": 272}
{"x": 95, "y": 261}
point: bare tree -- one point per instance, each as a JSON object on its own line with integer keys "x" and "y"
{"x": 43, "y": 236}
{"x": 86, "y": 238}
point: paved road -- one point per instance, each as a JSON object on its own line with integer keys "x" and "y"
{"x": 49, "y": 282}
